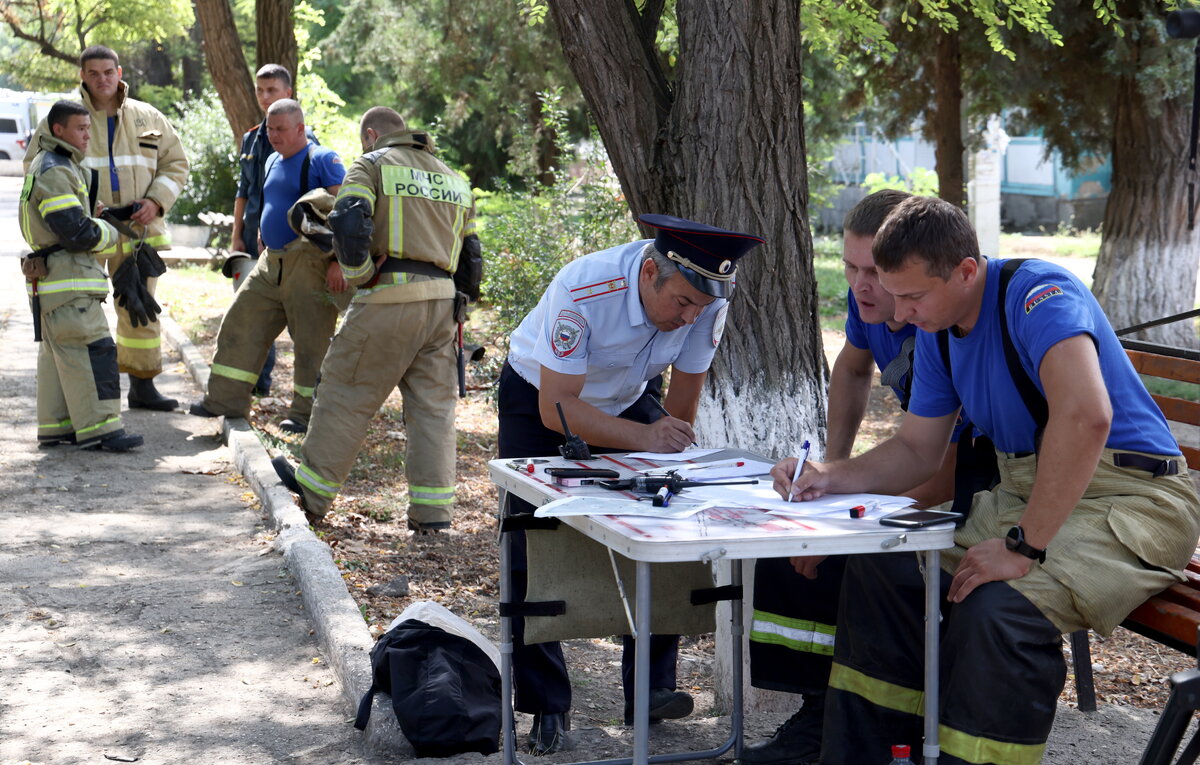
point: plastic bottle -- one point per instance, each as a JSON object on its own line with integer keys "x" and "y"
{"x": 900, "y": 754}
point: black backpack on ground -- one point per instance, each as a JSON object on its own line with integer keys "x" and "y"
{"x": 444, "y": 688}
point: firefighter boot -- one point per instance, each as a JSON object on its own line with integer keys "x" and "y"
{"x": 117, "y": 441}
{"x": 548, "y": 734}
{"x": 143, "y": 395}
{"x": 796, "y": 742}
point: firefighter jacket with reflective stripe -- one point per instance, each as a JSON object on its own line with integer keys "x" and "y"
{"x": 54, "y": 210}
{"x": 421, "y": 210}
{"x": 148, "y": 156}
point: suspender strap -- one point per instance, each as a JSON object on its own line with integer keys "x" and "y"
{"x": 1035, "y": 402}
{"x": 534, "y": 608}
{"x": 527, "y": 522}
{"x": 713, "y": 594}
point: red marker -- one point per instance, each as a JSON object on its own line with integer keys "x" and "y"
{"x": 858, "y": 511}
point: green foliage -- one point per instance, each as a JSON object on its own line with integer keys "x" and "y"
{"x": 212, "y": 180}
{"x": 921, "y": 181}
{"x": 469, "y": 69}
{"x": 69, "y": 26}
{"x": 322, "y": 106}
{"x": 527, "y": 237}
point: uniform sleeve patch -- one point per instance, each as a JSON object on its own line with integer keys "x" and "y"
{"x": 719, "y": 324}
{"x": 566, "y": 333}
{"x": 1040, "y": 294}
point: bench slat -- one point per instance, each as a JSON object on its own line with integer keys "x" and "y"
{"x": 1178, "y": 409}
{"x": 1168, "y": 367}
{"x": 1169, "y": 623}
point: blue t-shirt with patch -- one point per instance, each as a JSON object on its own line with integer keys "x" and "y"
{"x": 884, "y": 345}
{"x": 1045, "y": 305}
{"x": 281, "y": 188}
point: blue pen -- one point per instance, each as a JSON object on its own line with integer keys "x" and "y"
{"x": 799, "y": 469}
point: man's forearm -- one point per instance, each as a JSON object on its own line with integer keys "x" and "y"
{"x": 239, "y": 214}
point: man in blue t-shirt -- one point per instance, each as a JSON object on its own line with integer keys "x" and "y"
{"x": 1094, "y": 512}
{"x": 796, "y": 600}
{"x": 292, "y": 285}
{"x": 271, "y": 83}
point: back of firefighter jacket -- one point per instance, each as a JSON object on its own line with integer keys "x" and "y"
{"x": 421, "y": 210}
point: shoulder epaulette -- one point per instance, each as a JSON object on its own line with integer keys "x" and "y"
{"x": 54, "y": 159}
{"x": 598, "y": 289}
{"x": 373, "y": 157}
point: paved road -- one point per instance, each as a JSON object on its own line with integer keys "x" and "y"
{"x": 143, "y": 612}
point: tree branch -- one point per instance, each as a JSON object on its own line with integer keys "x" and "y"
{"x": 45, "y": 45}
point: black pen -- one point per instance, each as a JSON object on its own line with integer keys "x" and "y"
{"x": 654, "y": 400}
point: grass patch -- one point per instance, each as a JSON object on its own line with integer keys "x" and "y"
{"x": 1085, "y": 244}
{"x": 196, "y": 297}
{"x": 1173, "y": 388}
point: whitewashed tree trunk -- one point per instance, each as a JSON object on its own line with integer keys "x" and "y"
{"x": 1148, "y": 258}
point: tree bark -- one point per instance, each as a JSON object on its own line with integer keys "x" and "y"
{"x": 946, "y": 117}
{"x": 1148, "y": 258}
{"x": 724, "y": 146}
{"x": 276, "y": 30}
{"x": 227, "y": 65}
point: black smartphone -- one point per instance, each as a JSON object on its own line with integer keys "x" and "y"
{"x": 566, "y": 472}
{"x": 915, "y": 519}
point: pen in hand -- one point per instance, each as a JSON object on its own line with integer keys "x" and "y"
{"x": 654, "y": 400}
{"x": 799, "y": 469}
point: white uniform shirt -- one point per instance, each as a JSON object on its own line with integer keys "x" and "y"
{"x": 590, "y": 321}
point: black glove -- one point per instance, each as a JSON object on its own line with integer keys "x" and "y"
{"x": 150, "y": 264}
{"x": 130, "y": 292}
{"x": 123, "y": 213}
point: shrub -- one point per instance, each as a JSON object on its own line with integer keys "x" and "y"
{"x": 212, "y": 156}
{"x": 529, "y": 235}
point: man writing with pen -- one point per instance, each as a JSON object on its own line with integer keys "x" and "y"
{"x": 605, "y": 330}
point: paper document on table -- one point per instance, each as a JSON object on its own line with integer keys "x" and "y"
{"x": 763, "y": 496}
{"x": 721, "y": 470}
{"x": 561, "y": 508}
{"x": 684, "y": 456}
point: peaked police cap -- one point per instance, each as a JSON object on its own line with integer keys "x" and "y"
{"x": 707, "y": 256}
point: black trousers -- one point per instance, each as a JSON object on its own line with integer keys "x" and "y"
{"x": 1001, "y": 669}
{"x": 539, "y": 670}
{"x": 795, "y": 620}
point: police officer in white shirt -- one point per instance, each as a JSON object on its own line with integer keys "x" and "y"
{"x": 597, "y": 343}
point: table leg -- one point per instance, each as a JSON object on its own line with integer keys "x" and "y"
{"x": 508, "y": 734}
{"x": 736, "y": 630}
{"x": 641, "y": 669}
{"x": 933, "y": 576}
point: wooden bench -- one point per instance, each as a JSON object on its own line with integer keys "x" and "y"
{"x": 1172, "y": 617}
{"x": 220, "y": 232}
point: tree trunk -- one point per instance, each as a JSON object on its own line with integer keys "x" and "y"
{"x": 947, "y": 118}
{"x": 227, "y": 65}
{"x": 1148, "y": 258}
{"x": 276, "y": 30}
{"x": 725, "y": 147}
{"x": 193, "y": 65}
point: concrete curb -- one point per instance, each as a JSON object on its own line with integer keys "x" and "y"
{"x": 340, "y": 630}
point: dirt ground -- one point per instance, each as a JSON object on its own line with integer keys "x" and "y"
{"x": 459, "y": 570}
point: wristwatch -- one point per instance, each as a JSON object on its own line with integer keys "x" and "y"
{"x": 1015, "y": 541}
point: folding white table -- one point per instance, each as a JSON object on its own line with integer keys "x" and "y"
{"x": 733, "y": 533}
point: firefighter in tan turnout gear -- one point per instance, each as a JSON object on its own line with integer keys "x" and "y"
{"x": 402, "y": 223}
{"x": 78, "y": 388}
{"x": 138, "y": 158}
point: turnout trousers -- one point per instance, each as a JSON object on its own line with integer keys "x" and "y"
{"x": 78, "y": 389}
{"x": 540, "y": 677}
{"x": 381, "y": 346}
{"x": 285, "y": 289}
{"x": 795, "y": 621}
{"x": 1001, "y": 666}
{"x": 139, "y": 349}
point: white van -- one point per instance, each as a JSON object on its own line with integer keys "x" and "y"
{"x": 14, "y": 135}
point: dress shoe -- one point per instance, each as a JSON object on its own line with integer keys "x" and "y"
{"x": 197, "y": 409}
{"x": 143, "y": 395}
{"x": 796, "y": 742}
{"x": 293, "y": 426}
{"x": 548, "y": 734}
{"x": 428, "y": 527}
{"x": 665, "y": 704}
{"x": 117, "y": 441}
